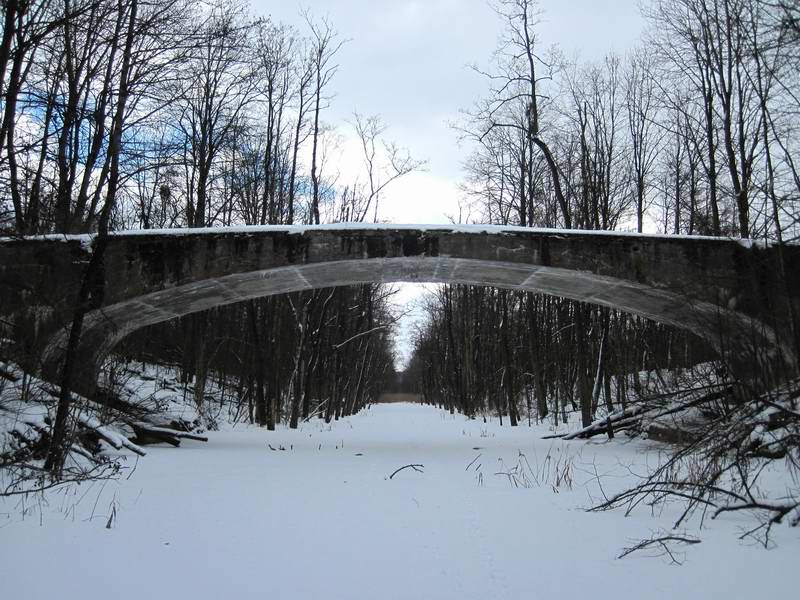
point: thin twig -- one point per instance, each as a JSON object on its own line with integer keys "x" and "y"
{"x": 417, "y": 468}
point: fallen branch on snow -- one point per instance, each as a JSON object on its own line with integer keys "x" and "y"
{"x": 417, "y": 468}
{"x": 663, "y": 542}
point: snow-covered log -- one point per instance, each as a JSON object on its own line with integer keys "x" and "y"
{"x": 147, "y": 433}
{"x": 657, "y": 416}
{"x": 620, "y": 420}
{"x": 115, "y": 439}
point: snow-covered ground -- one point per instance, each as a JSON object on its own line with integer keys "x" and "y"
{"x": 318, "y": 517}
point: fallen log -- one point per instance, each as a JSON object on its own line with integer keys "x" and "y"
{"x": 152, "y": 434}
{"x": 116, "y": 440}
{"x": 145, "y": 436}
{"x": 620, "y": 420}
{"x": 174, "y": 432}
{"x": 633, "y": 416}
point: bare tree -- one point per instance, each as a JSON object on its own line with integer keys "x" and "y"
{"x": 325, "y": 44}
{"x": 640, "y": 104}
{"x": 85, "y": 300}
{"x": 381, "y": 168}
{"x": 213, "y": 89}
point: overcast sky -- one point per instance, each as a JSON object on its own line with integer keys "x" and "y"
{"x": 407, "y": 60}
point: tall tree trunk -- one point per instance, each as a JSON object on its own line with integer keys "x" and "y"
{"x": 91, "y": 291}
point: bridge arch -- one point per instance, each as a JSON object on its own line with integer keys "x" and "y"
{"x": 724, "y": 290}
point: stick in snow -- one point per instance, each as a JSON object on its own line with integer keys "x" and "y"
{"x": 417, "y": 468}
{"x": 663, "y": 543}
{"x": 473, "y": 462}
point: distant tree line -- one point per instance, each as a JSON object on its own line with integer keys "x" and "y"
{"x": 521, "y": 355}
{"x": 694, "y": 132}
{"x": 286, "y": 358}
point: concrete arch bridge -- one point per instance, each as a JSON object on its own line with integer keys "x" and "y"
{"x": 728, "y": 291}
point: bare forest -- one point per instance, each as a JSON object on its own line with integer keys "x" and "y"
{"x": 175, "y": 114}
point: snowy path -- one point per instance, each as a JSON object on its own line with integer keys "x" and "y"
{"x": 232, "y": 519}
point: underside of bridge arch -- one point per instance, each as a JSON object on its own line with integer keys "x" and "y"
{"x": 749, "y": 341}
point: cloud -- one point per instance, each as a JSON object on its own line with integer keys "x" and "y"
{"x": 423, "y": 198}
